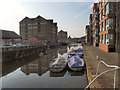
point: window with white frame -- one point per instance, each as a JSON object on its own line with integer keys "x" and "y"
{"x": 108, "y": 8}
{"x": 96, "y": 39}
{"x": 109, "y": 23}
{"x": 108, "y": 39}
{"x": 100, "y": 27}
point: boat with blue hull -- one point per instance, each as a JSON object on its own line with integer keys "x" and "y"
{"x": 75, "y": 63}
{"x": 78, "y": 52}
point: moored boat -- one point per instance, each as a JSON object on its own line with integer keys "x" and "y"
{"x": 75, "y": 63}
{"x": 80, "y": 54}
{"x": 58, "y": 64}
{"x": 80, "y": 50}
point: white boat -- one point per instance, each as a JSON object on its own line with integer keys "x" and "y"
{"x": 58, "y": 64}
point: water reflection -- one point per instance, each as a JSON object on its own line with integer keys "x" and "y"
{"x": 8, "y": 67}
{"x": 40, "y": 65}
{"x": 36, "y": 64}
{"x": 72, "y": 73}
{"x": 36, "y": 68}
{"x": 61, "y": 74}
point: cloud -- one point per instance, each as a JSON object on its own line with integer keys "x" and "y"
{"x": 84, "y": 11}
{"x": 58, "y": 0}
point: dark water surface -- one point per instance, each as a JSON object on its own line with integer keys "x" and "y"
{"x": 33, "y": 72}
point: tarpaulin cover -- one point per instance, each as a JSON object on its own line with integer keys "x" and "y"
{"x": 75, "y": 62}
{"x": 79, "y": 53}
{"x": 79, "y": 49}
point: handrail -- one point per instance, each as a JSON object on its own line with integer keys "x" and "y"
{"x": 111, "y": 66}
{"x": 100, "y": 75}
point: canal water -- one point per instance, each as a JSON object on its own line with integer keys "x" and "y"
{"x": 33, "y": 72}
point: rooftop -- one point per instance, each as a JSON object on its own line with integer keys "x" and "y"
{"x": 5, "y": 34}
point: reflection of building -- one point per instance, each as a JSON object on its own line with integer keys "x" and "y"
{"x": 9, "y": 38}
{"x": 40, "y": 65}
{"x": 38, "y": 29}
{"x": 62, "y": 36}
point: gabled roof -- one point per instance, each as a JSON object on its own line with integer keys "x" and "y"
{"x": 62, "y": 31}
{"x": 8, "y": 34}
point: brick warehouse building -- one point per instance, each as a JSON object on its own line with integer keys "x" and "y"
{"x": 108, "y": 26}
{"x": 95, "y": 22}
{"x": 37, "y": 30}
{"x": 62, "y": 36}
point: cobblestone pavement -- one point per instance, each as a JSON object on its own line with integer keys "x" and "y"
{"x": 92, "y": 57}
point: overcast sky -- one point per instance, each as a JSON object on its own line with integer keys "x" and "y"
{"x": 70, "y": 16}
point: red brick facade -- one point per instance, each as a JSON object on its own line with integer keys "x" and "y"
{"x": 105, "y": 25}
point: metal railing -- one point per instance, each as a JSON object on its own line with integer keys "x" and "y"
{"x": 98, "y": 75}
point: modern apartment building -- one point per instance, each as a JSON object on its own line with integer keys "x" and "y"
{"x": 90, "y": 29}
{"x": 87, "y": 34}
{"x": 107, "y": 26}
{"x": 38, "y": 28}
{"x": 95, "y": 23}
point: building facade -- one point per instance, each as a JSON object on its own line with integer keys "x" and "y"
{"x": 95, "y": 23}
{"x": 87, "y": 34}
{"x": 9, "y": 38}
{"x": 90, "y": 29}
{"x": 117, "y": 30}
{"x": 38, "y": 27}
{"x": 107, "y": 26}
{"x": 62, "y": 36}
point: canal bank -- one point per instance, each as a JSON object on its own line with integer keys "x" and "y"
{"x": 10, "y": 53}
{"x": 93, "y": 56}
